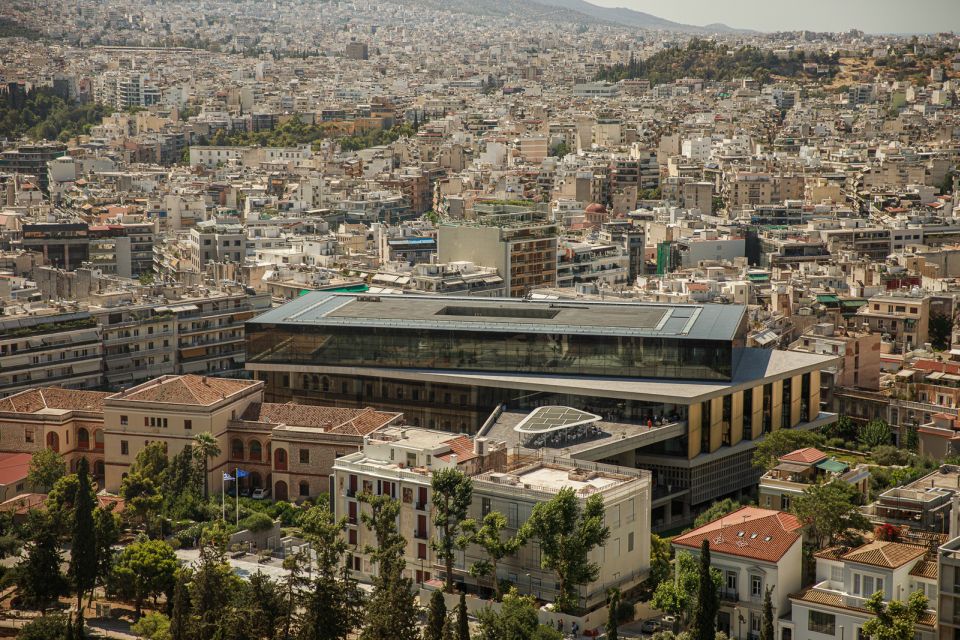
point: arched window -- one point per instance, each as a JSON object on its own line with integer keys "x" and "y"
{"x": 98, "y": 468}
{"x": 256, "y": 450}
{"x": 53, "y": 441}
{"x": 280, "y": 459}
{"x": 304, "y": 489}
{"x": 98, "y": 439}
{"x": 236, "y": 449}
{"x": 83, "y": 438}
{"x": 280, "y": 490}
{"x": 255, "y": 480}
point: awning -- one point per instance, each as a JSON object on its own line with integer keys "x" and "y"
{"x": 827, "y": 297}
{"x": 906, "y": 373}
{"x": 765, "y": 337}
{"x": 791, "y": 467}
{"x": 832, "y": 466}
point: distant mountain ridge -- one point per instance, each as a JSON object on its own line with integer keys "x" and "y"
{"x": 629, "y": 17}
{"x": 566, "y": 11}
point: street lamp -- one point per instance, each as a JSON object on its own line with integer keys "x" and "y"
{"x": 529, "y": 584}
{"x": 736, "y": 610}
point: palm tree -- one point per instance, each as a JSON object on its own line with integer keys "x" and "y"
{"x": 205, "y": 447}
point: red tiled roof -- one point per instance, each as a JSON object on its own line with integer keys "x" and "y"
{"x": 23, "y": 503}
{"x": 807, "y": 455}
{"x": 33, "y": 400}
{"x": 13, "y": 467}
{"x": 187, "y": 389}
{"x": 358, "y": 422}
{"x": 461, "y": 446}
{"x": 749, "y": 532}
{"x": 881, "y": 553}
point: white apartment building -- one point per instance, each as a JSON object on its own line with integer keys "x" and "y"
{"x": 398, "y": 462}
{"x": 755, "y": 550}
{"x": 834, "y": 606}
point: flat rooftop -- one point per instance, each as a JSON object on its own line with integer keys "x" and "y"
{"x": 556, "y": 479}
{"x": 324, "y": 308}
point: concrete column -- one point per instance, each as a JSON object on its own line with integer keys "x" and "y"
{"x": 736, "y": 417}
{"x": 814, "y": 398}
{"x": 694, "y": 418}
{"x": 776, "y": 409}
{"x": 716, "y": 423}
{"x": 796, "y": 398}
{"x": 756, "y": 422}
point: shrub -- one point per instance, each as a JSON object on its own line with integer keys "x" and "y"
{"x": 257, "y": 522}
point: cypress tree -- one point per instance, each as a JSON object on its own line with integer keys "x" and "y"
{"x": 436, "y": 617}
{"x": 83, "y": 549}
{"x": 463, "y": 623}
{"x": 708, "y": 600}
{"x": 766, "y": 631}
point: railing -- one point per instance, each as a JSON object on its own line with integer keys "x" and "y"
{"x": 421, "y": 506}
{"x": 419, "y": 534}
{"x": 729, "y": 595}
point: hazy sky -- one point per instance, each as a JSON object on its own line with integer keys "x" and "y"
{"x": 876, "y": 16}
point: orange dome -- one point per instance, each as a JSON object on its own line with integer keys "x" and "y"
{"x": 596, "y": 207}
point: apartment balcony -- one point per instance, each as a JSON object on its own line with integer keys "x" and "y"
{"x": 420, "y": 534}
{"x": 729, "y": 595}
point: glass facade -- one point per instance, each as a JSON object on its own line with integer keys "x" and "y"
{"x": 508, "y": 352}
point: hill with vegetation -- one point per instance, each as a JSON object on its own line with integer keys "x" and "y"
{"x": 712, "y": 61}
{"x": 43, "y": 115}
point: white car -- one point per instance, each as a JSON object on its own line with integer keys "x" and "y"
{"x": 260, "y": 494}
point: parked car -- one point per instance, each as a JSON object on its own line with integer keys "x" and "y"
{"x": 651, "y": 626}
{"x": 260, "y": 494}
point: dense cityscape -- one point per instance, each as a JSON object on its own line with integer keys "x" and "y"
{"x": 489, "y": 320}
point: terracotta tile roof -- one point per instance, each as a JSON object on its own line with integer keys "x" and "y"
{"x": 13, "y": 467}
{"x": 807, "y": 455}
{"x": 187, "y": 389}
{"x": 926, "y": 568}
{"x": 885, "y": 554}
{"x": 835, "y": 599}
{"x": 461, "y": 446}
{"x": 21, "y": 504}
{"x": 33, "y": 400}
{"x": 749, "y": 532}
{"x": 358, "y": 422}
{"x": 832, "y": 553}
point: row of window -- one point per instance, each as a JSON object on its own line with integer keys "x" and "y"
{"x": 155, "y": 421}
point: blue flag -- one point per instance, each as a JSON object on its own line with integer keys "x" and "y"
{"x": 242, "y": 474}
{"x": 227, "y": 476}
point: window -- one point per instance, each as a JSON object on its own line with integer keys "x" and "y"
{"x": 304, "y": 456}
{"x": 124, "y": 448}
{"x": 411, "y": 459}
{"x": 630, "y": 542}
{"x": 421, "y": 551}
{"x": 836, "y": 574}
{"x": 512, "y": 515}
{"x": 304, "y": 489}
{"x": 820, "y": 622}
{"x": 28, "y": 435}
{"x": 188, "y": 424}
{"x": 124, "y": 420}
{"x": 484, "y": 506}
{"x": 353, "y": 536}
{"x": 756, "y": 586}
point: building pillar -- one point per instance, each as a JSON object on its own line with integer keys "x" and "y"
{"x": 776, "y": 406}
{"x": 694, "y": 417}
{"x": 716, "y": 423}
{"x": 796, "y": 399}
{"x": 66, "y": 256}
{"x": 814, "y": 398}
{"x": 736, "y": 417}
{"x": 756, "y": 406}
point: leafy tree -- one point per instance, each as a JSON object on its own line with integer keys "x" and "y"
{"x": 452, "y": 494}
{"x": 829, "y": 511}
{"x": 463, "y": 622}
{"x": 83, "y": 548}
{"x": 517, "y": 620}
{"x": 677, "y": 596}
{"x": 263, "y": 604}
{"x": 940, "y": 325}
{"x": 213, "y": 585}
{"x": 39, "y": 579}
{"x": 144, "y": 569}
{"x": 875, "y": 433}
{"x": 106, "y": 525}
{"x": 895, "y": 620}
{"x": 660, "y": 556}
{"x": 567, "y": 534}
{"x": 708, "y": 598}
{"x": 716, "y": 511}
{"x": 61, "y": 503}
{"x": 391, "y": 609}
{"x": 489, "y": 536}
{"x": 436, "y": 617}
{"x": 182, "y": 486}
{"x": 142, "y": 497}
{"x": 153, "y": 626}
{"x": 205, "y": 448}
{"x": 782, "y": 442}
{"x": 844, "y": 428}
{"x": 334, "y": 603}
{"x": 767, "y": 630}
{"x": 46, "y": 467}
{"x": 48, "y": 627}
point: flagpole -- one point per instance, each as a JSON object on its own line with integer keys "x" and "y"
{"x": 223, "y": 499}
{"x": 237, "y": 491}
